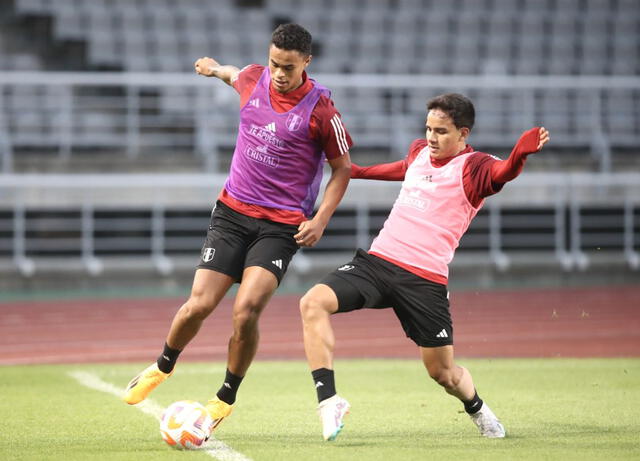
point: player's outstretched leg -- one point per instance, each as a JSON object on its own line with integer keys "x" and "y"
{"x": 208, "y": 289}
{"x": 457, "y": 381}
{"x": 141, "y": 386}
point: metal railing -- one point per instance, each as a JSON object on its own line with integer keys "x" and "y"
{"x": 66, "y": 221}
{"x": 62, "y": 112}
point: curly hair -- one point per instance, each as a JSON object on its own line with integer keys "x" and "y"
{"x": 458, "y": 107}
{"x": 292, "y": 37}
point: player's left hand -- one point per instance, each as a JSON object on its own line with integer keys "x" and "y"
{"x": 544, "y": 137}
{"x": 309, "y": 232}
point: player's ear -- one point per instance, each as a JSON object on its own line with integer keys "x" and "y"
{"x": 464, "y": 132}
{"x": 307, "y": 61}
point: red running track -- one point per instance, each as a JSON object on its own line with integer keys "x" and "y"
{"x": 585, "y": 322}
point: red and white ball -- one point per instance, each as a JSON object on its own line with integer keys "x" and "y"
{"x": 185, "y": 424}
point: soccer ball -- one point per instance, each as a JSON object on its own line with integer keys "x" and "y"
{"x": 185, "y": 424}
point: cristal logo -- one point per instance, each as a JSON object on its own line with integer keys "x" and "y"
{"x": 207, "y": 254}
{"x": 259, "y": 155}
{"x": 412, "y": 200}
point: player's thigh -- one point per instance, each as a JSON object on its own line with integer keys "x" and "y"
{"x": 209, "y": 287}
{"x": 225, "y": 246}
{"x": 357, "y": 284}
{"x": 273, "y": 248}
{"x": 319, "y": 298}
{"x": 422, "y": 307}
{"x": 257, "y": 286}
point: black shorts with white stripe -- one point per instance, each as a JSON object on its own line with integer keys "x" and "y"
{"x": 235, "y": 241}
{"x": 422, "y": 306}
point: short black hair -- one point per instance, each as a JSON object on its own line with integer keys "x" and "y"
{"x": 292, "y": 37}
{"x": 458, "y": 107}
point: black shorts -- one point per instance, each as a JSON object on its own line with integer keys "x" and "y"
{"x": 235, "y": 241}
{"x": 421, "y": 306}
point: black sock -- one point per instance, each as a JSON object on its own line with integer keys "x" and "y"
{"x": 325, "y": 383}
{"x": 167, "y": 359}
{"x": 473, "y": 406}
{"x": 229, "y": 389}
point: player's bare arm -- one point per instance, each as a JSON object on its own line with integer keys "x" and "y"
{"x": 209, "y": 67}
{"x": 309, "y": 232}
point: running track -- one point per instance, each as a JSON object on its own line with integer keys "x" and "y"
{"x": 586, "y": 322}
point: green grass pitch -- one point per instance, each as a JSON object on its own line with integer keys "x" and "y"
{"x": 553, "y": 409}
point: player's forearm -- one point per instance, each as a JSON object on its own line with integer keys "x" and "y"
{"x": 225, "y": 73}
{"x": 209, "y": 67}
{"x": 393, "y": 171}
{"x": 333, "y": 193}
{"x": 506, "y": 170}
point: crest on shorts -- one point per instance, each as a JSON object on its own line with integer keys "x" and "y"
{"x": 293, "y": 122}
{"x": 207, "y": 254}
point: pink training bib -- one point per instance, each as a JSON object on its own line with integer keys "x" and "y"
{"x": 429, "y": 216}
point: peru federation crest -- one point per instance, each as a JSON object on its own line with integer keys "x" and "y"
{"x": 293, "y": 122}
{"x": 207, "y": 254}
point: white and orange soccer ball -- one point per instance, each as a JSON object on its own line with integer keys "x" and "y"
{"x": 185, "y": 424}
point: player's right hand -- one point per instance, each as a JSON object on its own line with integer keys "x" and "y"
{"x": 206, "y": 66}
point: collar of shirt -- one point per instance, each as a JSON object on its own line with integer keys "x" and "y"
{"x": 442, "y": 162}
{"x": 285, "y": 102}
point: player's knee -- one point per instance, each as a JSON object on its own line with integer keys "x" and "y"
{"x": 245, "y": 317}
{"x": 197, "y": 307}
{"x": 312, "y": 307}
{"x": 443, "y": 376}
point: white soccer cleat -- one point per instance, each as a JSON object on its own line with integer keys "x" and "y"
{"x": 332, "y": 411}
{"x": 488, "y": 423}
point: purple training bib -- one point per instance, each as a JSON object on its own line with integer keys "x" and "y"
{"x": 275, "y": 163}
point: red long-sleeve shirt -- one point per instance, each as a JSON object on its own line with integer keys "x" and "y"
{"x": 483, "y": 174}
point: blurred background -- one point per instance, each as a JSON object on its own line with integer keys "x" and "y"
{"x": 112, "y": 150}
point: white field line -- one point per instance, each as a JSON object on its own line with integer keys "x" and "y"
{"x": 214, "y": 448}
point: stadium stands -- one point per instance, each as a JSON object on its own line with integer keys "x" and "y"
{"x": 572, "y": 65}
{"x": 425, "y": 37}
{"x": 577, "y": 37}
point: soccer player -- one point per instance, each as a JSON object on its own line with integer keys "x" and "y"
{"x": 288, "y": 124}
{"x": 406, "y": 268}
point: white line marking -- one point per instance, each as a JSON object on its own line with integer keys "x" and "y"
{"x": 214, "y": 448}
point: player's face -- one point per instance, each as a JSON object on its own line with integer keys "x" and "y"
{"x": 286, "y": 68}
{"x": 444, "y": 138}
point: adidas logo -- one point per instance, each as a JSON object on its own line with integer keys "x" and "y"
{"x": 255, "y": 102}
{"x": 442, "y": 334}
{"x": 319, "y": 384}
{"x": 271, "y": 127}
{"x": 277, "y": 263}
{"x": 227, "y": 385}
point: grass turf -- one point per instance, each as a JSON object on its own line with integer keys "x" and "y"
{"x": 553, "y": 409}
